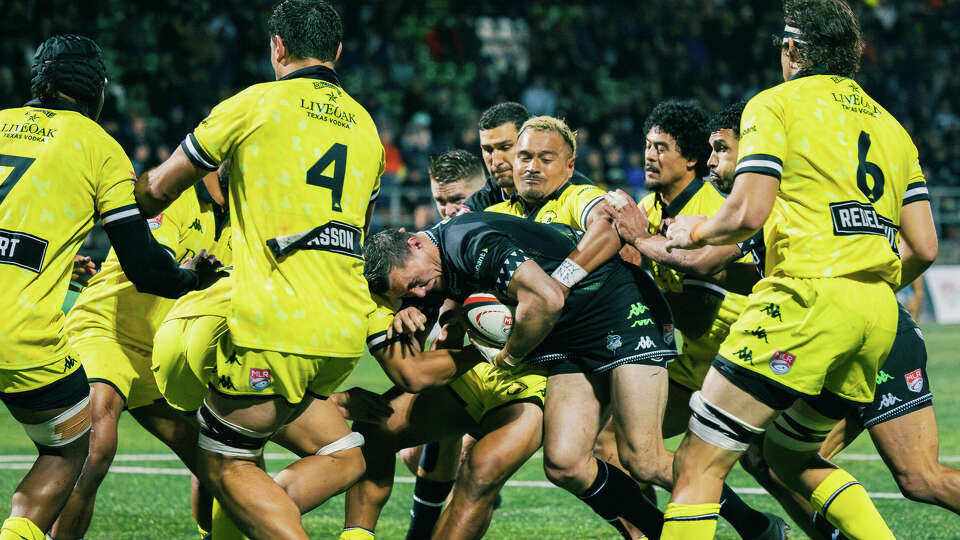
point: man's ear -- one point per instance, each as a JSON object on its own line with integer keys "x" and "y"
{"x": 339, "y": 50}
{"x": 279, "y": 49}
{"x": 414, "y": 243}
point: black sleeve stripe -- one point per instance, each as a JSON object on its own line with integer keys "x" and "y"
{"x": 121, "y": 214}
{"x": 768, "y": 171}
{"x": 375, "y": 194}
{"x": 916, "y": 192}
{"x": 379, "y": 340}
{"x": 586, "y": 211}
{"x": 173, "y": 255}
{"x": 762, "y": 157}
{"x": 196, "y": 154}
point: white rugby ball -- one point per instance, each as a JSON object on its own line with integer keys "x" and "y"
{"x": 488, "y": 317}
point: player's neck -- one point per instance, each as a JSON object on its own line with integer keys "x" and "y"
{"x": 295, "y": 65}
{"x": 669, "y": 193}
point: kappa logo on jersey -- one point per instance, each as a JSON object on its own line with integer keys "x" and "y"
{"x": 883, "y": 376}
{"x": 914, "y": 380}
{"x": 614, "y": 342}
{"x": 781, "y": 362}
{"x": 259, "y": 379}
{"x": 155, "y": 222}
{"x": 888, "y": 400}
{"x": 645, "y": 343}
{"x": 196, "y": 225}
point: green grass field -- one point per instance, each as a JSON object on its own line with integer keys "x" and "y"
{"x": 146, "y": 494}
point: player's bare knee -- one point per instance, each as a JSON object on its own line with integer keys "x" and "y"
{"x": 567, "y": 470}
{"x": 482, "y": 476}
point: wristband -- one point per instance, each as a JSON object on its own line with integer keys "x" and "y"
{"x": 693, "y": 232}
{"x": 569, "y": 273}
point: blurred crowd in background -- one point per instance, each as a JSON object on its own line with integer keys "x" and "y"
{"x": 426, "y": 69}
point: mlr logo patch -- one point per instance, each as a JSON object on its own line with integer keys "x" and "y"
{"x": 781, "y": 362}
{"x": 914, "y": 380}
{"x": 259, "y": 379}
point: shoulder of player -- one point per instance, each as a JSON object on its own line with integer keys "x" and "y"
{"x": 503, "y": 207}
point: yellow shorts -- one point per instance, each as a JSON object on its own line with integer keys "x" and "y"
{"x": 124, "y": 367}
{"x": 253, "y": 372}
{"x": 814, "y": 334}
{"x": 485, "y": 388}
{"x": 185, "y": 358}
{"x": 692, "y": 364}
{"x": 60, "y": 383}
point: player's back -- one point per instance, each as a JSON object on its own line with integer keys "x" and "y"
{"x": 846, "y": 165}
{"x": 58, "y": 170}
{"x": 304, "y": 156}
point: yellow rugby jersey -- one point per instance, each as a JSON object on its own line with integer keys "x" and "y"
{"x": 845, "y": 166}
{"x": 699, "y": 198}
{"x": 379, "y": 321}
{"x": 215, "y": 299}
{"x": 570, "y": 205}
{"x": 306, "y": 160}
{"x": 59, "y": 170}
{"x": 111, "y": 306}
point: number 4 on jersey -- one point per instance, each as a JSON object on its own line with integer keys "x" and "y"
{"x": 337, "y": 155}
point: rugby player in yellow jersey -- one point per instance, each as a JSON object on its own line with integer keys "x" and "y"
{"x": 675, "y": 163}
{"x": 111, "y": 331}
{"x": 824, "y": 170}
{"x": 60, "y": 171}
{"x": 305, "y": 167}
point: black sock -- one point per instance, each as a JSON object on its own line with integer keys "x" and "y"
{"x": 428, "y": 497}
{"x": 747, "y": 521}
{"x": 824, "y": 527}
{"x": 613, "y": 494}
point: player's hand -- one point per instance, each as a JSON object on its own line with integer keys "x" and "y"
{"x": 678, "y": 235}
{"x": 207, "y": 268}
{"x": 82, "y": 266}
{"x": 629, "y": 219}
{"x": 408, "y": 320}
{"x": 494, "y": 355}
{"x": 361, "y": 405}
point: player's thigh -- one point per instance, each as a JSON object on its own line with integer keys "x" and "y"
{"x": 434, "y": 414}
{"x": 511, "y": 435}
{"x": 264, "y": 414}
{"x": 573, "y": 416}
{"x": 318, "y": 425}
{"x": 638, "y": 397}
{"x": 52, "y": 403}
{"x": 719, "y": 392}
{"x": 909, "y": 443}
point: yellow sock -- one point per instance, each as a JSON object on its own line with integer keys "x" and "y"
{"x": 690, "y": 521}
{"x": 20, "y": 528}
{"x": 356, "y": 533}
{"x": 203, "y": 533}
{"x": 846, "y": 505}
{"x": 222, "y": 526}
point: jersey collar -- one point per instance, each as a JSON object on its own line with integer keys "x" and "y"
{"x": 322, "y": 73}
{"x": 56, "y": 103}
{"x": 530, "y": 212}
{"x": 815, "y": 70}
{"x": 681, "y": 200}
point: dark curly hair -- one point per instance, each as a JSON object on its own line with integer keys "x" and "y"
{"x": 728, "y": 118}
{"x": 829, "y": 35}
{"x": 308, "y": 28}
{"x": 382, "y": 253}
{"x": 686, "y": 122}
{"x": 454, "y": 166}
{"x": 501, "y": 113}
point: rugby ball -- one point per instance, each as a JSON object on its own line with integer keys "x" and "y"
{"x": 489, "y": 318}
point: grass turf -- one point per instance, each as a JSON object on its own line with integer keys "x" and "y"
{"x": 153, "y": 506}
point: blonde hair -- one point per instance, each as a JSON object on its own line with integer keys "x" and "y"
{"x": 556, "y": 125}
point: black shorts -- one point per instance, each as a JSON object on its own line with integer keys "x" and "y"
{"x": 902, "y": 382}
{"x": 625, "y": 321}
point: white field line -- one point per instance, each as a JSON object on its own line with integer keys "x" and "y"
{"x": 25, "y": 462}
